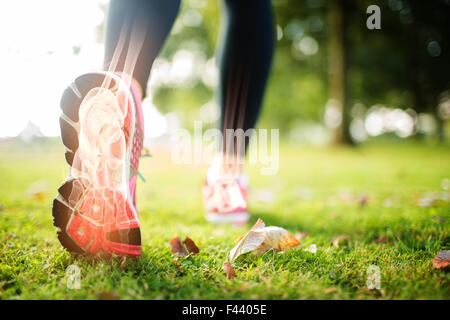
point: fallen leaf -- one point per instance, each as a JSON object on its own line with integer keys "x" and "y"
{"x": 39, "y": 196}
{"x": 312, "y": 248}
{"x": 330, "y": 290}
{"x": 261, "y": 239}
{"x": 178, "y": 248}
{"x": 279, "y": 239}
{"x": 381, "y": 239}
{"x": 337, "y": 239}
{"x": 249, "y": 242}
{"x": 107, "y": 295}
{"x": 228, "y": 268}
{"x": 442, "y": 259}
{"x": 363, "y": 200}
{"x": 37, "y": 190}
{"x": 440, "y": 219}
{"x": 183, "y": 249}
{"x": 191, "y": 246}
{"x": 244, "y": 286}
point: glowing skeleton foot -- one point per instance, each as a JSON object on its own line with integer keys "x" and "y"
{"x": 95, "y": 209}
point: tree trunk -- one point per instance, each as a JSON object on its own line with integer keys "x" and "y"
{"x": 337, "y": 69}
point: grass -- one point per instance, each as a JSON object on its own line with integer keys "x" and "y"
{"x": 392, "y": 177}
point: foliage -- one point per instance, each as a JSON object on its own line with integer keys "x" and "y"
{"x": 403, "y": 65}
{"x": 392, "y": 177}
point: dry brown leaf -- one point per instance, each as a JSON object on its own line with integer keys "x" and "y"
{"x": 381, "y": 239}
{"x": 442, "y": 259}
{"x": 191, "y": 246}
{"x": 261, "y": 239}
{"x": 330, "y": 290}
{"x": 183, "y": 249}
{"x": 37, "y": 190}
{"x": 228, "y": 268}
{"x": 337, "y": 239}
{"x": 279, "y": 239}
{"x": 108, "y": 295}
{"x": 363, "y": 200}
{"x": 39, "y": 196}
{"x": 178, "y": 248}
{"x": 250, "y": 241}
{"x": 438, "y": 218}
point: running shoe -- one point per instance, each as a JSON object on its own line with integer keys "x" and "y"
{"x": 102, "y": 129}
{"x": 225, "y": 201}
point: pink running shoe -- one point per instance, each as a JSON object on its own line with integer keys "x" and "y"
{"x": 225, "y": 201}
{"x": 102, "y": 130}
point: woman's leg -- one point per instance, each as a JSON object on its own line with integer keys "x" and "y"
{"x": 245, "y": 57}
{"x": 137, "y": 23}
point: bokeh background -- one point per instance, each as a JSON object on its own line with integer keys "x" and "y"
{"x": 333, "y": 80}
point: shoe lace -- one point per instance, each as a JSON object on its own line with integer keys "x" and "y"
{"x": 145, "y": 153}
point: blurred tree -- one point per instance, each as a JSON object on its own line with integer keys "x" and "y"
{"x": 428, "y": 54}
{"x": 403, "y": 65}
{"x": 325, "y": 52}
{"x": 337, "y": 69}
{"x": 297, "y": 90}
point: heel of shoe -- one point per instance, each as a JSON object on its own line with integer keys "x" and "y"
{"x": 70, "y": 227}
{"x": 92, "y": 222}
{"x": 125, "y": 241}
{"x": 237, "y": 219}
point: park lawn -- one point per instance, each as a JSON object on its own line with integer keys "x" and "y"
{"x": 320, "y": 191}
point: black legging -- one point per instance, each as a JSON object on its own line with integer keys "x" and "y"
{"x": 245, "y": 53}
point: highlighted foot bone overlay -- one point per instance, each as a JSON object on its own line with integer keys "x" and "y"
{"x": 95, "y": 208}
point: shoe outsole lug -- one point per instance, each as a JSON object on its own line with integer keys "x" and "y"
{"x": 68, "y": 100}
{"x": 72, "y": 191}
{"x": 86, "y": 82}
{"x": 69, "y": 158}
{"x": 61, "y": 217}
{"x": 69, "y": 135}
{"x": 127, "y": 236}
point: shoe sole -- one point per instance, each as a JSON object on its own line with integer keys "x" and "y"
{"x": 238, "y": 219}
{"x": 92, "y": 215}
